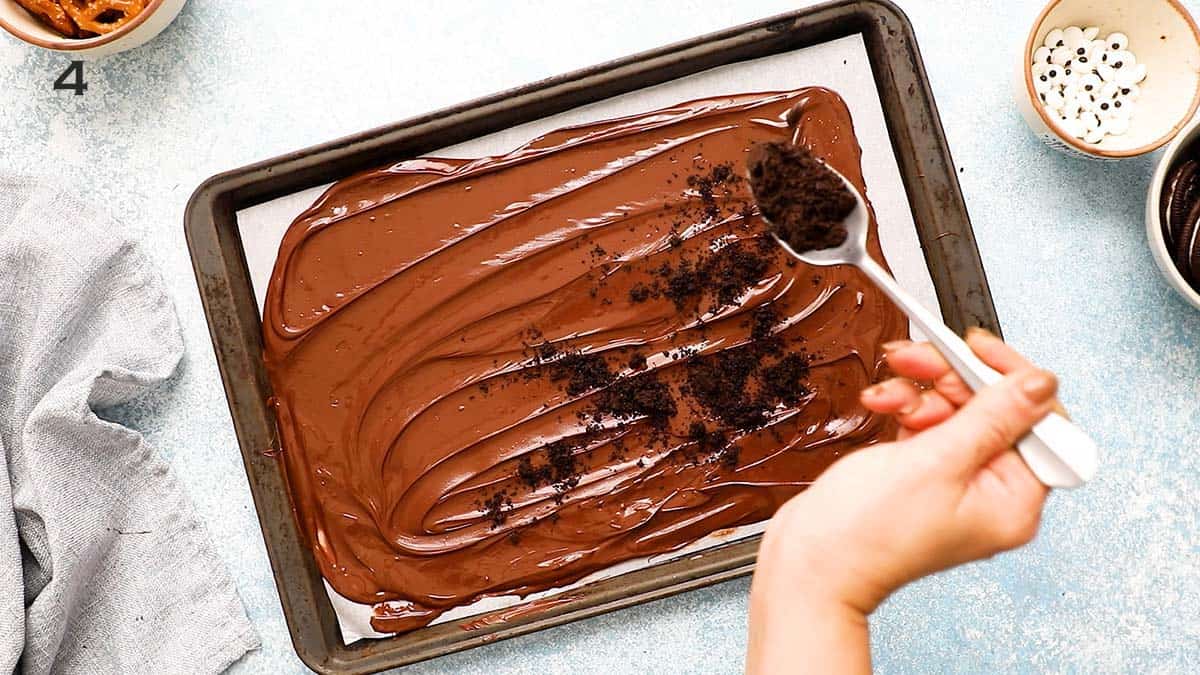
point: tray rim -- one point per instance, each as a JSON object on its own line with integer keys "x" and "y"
{"x": 210, "y": 228}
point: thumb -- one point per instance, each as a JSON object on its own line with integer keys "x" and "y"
{"x": 995, "y": 418}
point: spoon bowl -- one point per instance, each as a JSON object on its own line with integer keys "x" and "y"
{"x": 850, "y": 252}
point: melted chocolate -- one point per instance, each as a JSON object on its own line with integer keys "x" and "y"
{"x": 432, "y": 458}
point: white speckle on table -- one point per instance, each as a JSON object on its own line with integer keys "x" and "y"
{"x": 1111, "y": 585}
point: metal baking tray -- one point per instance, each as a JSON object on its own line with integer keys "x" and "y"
{"x": 210, "y": 223}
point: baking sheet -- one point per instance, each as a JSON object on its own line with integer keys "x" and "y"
{"x": 841, "y": 65}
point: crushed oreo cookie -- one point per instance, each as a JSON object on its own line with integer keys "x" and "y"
{"x": 723, "y": 275}
{"x": 718, "y": 384}
{"x": 641, "y": 395}
{"x": 786, "y": 379}
{"x": 735, "y": 390}
{"x": 804, "y": 200}
{"x": 496, "y": 508}
{"x": 582, "y": 372}
{"x": 559, "y": 469}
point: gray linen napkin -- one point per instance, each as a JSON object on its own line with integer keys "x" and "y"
{"x": 118, "y": 573}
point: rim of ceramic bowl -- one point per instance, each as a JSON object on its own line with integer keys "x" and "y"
{"x": 77, "y": 44}
{"x": 1088, "y": 148}
{"x": 1154, "y": 225}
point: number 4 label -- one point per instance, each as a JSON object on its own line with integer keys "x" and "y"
{"x": 76, "y": 85}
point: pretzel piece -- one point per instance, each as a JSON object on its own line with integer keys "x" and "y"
{"x": 102, "y": 16}
{"x": 52, "y": 14}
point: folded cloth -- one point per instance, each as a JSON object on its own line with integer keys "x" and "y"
{"x": 118, "y": 573}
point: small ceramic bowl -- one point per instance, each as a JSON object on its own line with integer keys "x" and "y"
{"x": 1186, "y": 140}
{"x": 1163, "y": 36}
{"x": 150, "y": 22}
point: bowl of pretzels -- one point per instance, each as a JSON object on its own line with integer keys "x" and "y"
{"x": 87, "y": 28}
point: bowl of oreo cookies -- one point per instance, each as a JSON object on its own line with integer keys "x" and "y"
{"x": 1173, "y": 213}
{"x": 87, "y": 28}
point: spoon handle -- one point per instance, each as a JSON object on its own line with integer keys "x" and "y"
{"x": 1058, "y": 452}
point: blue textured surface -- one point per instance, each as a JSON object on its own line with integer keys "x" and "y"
{"x": 1112, "y": 583}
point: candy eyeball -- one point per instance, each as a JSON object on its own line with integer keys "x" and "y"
{"x": 1131, "y": 76}
{"x": 1120, "y": 108}
{"x": 1117, "y": 42}
{"x": 1072, "y": 126}
{"x": 1090, "y": 84}
{"x": 1041, "y": 55}
{"x": 1071, "y": 109}
{"x": 1122, "y": 59}
{"x": 1090, "y": 33}
{"x": 1117, "y": 126}
{"x": 1131, "y": 92}
{"x": 1054, "y": 99}
{"x": 1038, "y": 72}
{"x": 1055, "y": 39}
{"x": 1105, "y": 108}
{"x": 1061, "y": 55}
{"x": 1073, "y": 37}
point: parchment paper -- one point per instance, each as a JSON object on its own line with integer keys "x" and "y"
{"x": 840, "y": 65}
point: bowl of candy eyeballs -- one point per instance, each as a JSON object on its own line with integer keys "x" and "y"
{"x": 1108, "y": 79}
{"x": 87, "y": 29}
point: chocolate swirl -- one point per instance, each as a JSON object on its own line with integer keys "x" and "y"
{"x": 437, "y": 444}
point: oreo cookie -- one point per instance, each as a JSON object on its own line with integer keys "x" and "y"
{"x": 1181, "y": 193}
{"x": 1187, "y": 249}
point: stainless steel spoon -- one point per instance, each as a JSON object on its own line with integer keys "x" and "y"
{"x": 1058, "y": 452}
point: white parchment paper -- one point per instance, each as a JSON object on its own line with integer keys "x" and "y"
{"x": 840, "y": 65}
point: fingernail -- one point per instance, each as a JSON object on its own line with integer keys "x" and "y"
{"x": 1039, "y": 385}
{"x": 895, "y": 345}
{"x": 910, "y": 408}
{"x": 873, "y": 390}
{"x": 978, "y": 331}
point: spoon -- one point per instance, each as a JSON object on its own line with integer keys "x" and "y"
{"x": 1058, "y": 452}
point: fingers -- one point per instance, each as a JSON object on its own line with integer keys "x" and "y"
{"x": 922, "y": 361}
{"x": 897, "y": 396}
{"x": 915, "y": 409}
{"x": 999, "y": 355}
{"x": 995, "y": 352}
{"x": 915, "y": 360}
{"x": 994, "y": 419}
{"x": 933, "y": 410}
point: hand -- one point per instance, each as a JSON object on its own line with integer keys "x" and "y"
{"x": 949, "y": 490}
